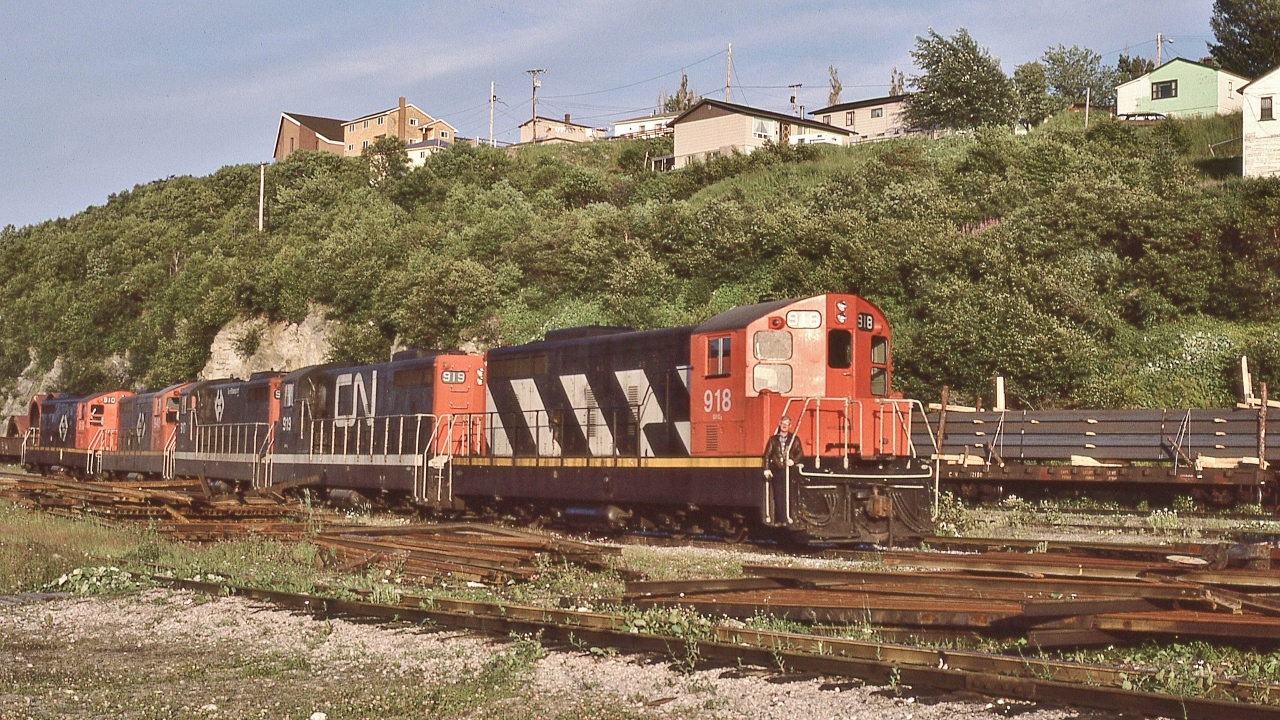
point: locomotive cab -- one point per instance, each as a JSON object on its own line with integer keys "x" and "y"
{"x": 825, "y": 363}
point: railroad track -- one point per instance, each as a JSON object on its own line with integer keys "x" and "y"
{"x": 1044, "y": 681}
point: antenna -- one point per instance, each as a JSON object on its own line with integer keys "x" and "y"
{"x": 728, "y": 65}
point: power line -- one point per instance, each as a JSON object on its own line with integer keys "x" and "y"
{"x": 640, "y": 82}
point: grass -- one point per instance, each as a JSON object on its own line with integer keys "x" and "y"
{"x": 60, "y": 544}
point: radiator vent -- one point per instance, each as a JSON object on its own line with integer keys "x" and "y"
{"x": 713, "y": 437}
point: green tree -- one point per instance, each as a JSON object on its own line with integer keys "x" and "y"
{"x": 1131, "y": 67}
{"x": 386, "y": 161}
{"x": 1248, "y": 35}
{"x": 961, "y": 87}
{"x": 1071, "y": 71}
{"x": 682, "y": 100}
{"x": 833, "y": 95}
{"x": 1035, "y": 105}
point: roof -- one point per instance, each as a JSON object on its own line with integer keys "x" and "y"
{"x": 433, "y": 142}
{"x": 757, "y": 112}
{"x": 1188, "y": 62}
{"x": 328, "y": 128}
{"x": 558, "y": 121}
{"x": 655, "y": 116}
{"x": 388, "y": 112}
{"x": 856, "y": 104}
{"x": 740, "y": 317}
{"x": 1263, "y": 76}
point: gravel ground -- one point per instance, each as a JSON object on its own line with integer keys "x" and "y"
{"x": 166, "y": 654}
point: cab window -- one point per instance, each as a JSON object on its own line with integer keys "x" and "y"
{"x": 879, "y": 350}
{"x": 839, "y": 349}
{"x": 773, "y": 345}
{"x": 718, "y": 357}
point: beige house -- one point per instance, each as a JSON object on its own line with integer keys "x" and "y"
{"x": 645, "y": 126}
{"x": 307, "y": 132}
{"x": 871, "y": 119}
{"x": 713, "y": 128}
{"x": 546, "y": 130}
{"x": 405, "y": 121}
{"x": 1261, "y": 128}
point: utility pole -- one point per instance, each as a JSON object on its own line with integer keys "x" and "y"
{"x": 536, "y": 84}
{"x": 262, "y": 191}
{"x": 1087, "y": 103}
{"x": 728, "y": 66}
{"x": 794, "y": 90}
{"x": 492, "y": 98}
{"x": 1159, "y": 45}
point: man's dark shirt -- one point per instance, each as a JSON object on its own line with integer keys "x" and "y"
{"x": 776, "y": 451}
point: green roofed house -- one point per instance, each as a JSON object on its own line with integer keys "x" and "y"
{"x": 1181, "y": 88}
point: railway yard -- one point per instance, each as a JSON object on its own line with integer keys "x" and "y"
{"x": 246, "y": 603}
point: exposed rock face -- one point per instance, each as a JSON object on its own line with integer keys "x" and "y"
{"x": 277, "y": 346}
{"x": 31, "y": 381}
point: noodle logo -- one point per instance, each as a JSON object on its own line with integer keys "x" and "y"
{"x": 357, "y": 397}
{"x": 141, "y": 425}
{"x": 219, "y": 404}
{"x": 63, "y": 426}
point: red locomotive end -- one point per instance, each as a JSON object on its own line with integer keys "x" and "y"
{"x": 824, "y": 362}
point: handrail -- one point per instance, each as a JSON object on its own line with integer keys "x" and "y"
{"x": 168, "y": 466}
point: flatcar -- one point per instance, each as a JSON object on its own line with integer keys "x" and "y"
{"x": 657, "y": 430}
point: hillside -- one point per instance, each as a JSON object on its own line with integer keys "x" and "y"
{"x": 1105, "y": 267}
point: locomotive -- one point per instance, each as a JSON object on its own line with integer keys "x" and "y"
{"x": 606, "y": 427}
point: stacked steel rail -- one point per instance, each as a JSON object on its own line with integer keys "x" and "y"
{"x": 1051, "y": 599}
{"x": 1219, "y": 455}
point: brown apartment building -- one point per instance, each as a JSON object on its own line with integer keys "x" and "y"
{"x": 349, "y": 137}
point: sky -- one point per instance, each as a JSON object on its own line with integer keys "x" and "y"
{"x": 107, "y": 95}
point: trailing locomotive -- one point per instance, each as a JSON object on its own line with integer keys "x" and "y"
{"x": 658, "y": 430}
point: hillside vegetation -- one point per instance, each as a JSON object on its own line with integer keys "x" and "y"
{"x": 1098, "y": 268}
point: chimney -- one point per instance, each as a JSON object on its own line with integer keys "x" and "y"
{"x": 403, "y": 124}
{"x": 566, "y": 118}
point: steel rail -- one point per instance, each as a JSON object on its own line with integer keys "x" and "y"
{"x": 878, "y": 663}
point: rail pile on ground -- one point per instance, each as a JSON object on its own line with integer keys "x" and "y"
{"x": 462, "y": 551}
{"x": 1054, "y": 600}
{"x": 1059, "y": 683}
{"x": 180, "y": 509}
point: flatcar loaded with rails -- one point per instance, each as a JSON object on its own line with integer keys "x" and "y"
{"x": 657, "y": 430}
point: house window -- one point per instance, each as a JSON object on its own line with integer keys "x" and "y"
{"x": 1164, "y": 90}
{"x": 718, "y": 357}
{"x": 366, "y": 123}
{"x": 351, "y": 128}
{"x": 364, "y": 144}
{"x": 1265, "y": 111}
{"x": 826, "y": 119}
{"x": 878, "y": 112}
{"x": 351, "y": 147}
{"x": 764, "y": 129}
{"x": 380, "y": 120}
{"x": 413, "y": 121}
{"x": 444, "y": 134}
{"x": 848, "y": 119}
{"x": 422, "y": 154}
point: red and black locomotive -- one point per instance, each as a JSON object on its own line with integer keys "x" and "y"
{"x": 658, "y": 430}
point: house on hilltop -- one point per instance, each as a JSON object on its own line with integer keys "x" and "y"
{"x": 1261, "y": 131}
{"x": 645, "y": 126}
{"x": 546, "y": 130}
{"x": 1181, "y": 88}
{"x": 712, "y": 128}
{"x": 307, "y": 132}
{"x": 349, "y": 137}
{"x": 871, "y": 119}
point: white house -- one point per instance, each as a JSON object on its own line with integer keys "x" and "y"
{"x": 1261, "y": 128}
{"x": 646, "y": 126}
{"x": 712, "y": 128}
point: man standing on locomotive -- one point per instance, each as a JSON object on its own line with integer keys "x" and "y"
{"x": 781, "y": 452}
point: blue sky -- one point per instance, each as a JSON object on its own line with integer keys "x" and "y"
{"x": 102, "y": 96}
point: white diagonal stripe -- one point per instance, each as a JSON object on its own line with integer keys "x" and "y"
{"x": 599, "y": 438}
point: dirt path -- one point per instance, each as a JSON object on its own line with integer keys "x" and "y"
{"x": 167, "y": 654}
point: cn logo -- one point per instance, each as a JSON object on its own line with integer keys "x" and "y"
{"x": 351, "y": 395}
{"x": 63, "y": 426}
{"x": 141, "y": 427}
{"x": 219, "y": 404}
